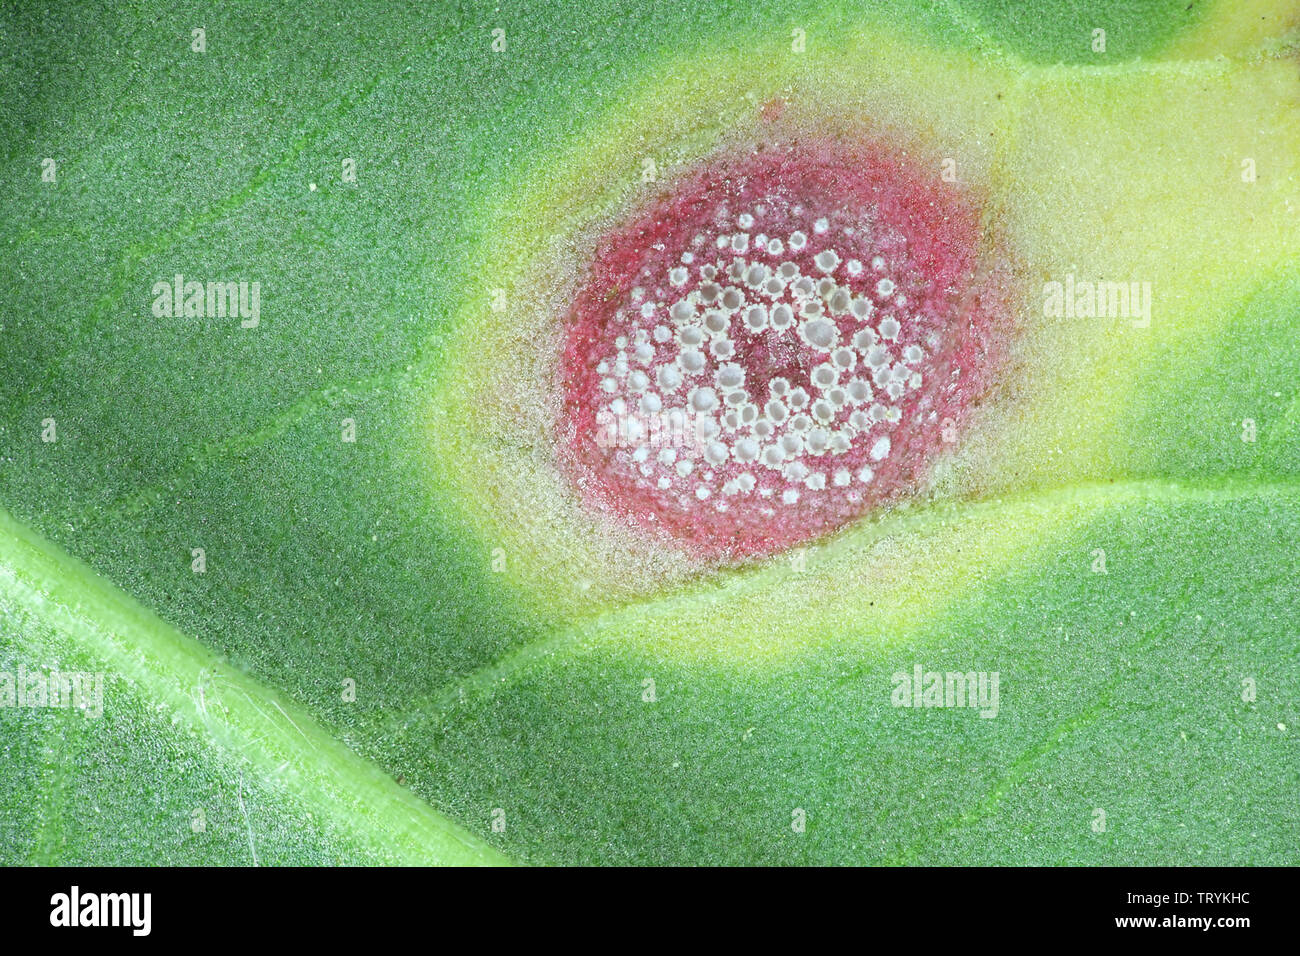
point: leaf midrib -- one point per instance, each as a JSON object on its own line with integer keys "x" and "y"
{"x": 226, "y": 706}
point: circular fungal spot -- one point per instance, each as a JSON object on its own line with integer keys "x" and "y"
{"x": 668, "y": 377}
{"x": 746, "y": 449}
{"x": 754, "y": 359}
{"x": 730, "y": 376}
{"x": 825, "y": 375}
{"x": 827, "y": 260}
{"x": 703, "y": 399}
{"x": 781, "y": 317}
{"x": 820, "y": 333}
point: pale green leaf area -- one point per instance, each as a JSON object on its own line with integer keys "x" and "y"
{"x": 173, "y": 757}
{"x": 1120, "y": 691}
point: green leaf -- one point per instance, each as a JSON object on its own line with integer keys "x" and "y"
{"x": 531, "y": 683}
{"x": 179, "y": 756}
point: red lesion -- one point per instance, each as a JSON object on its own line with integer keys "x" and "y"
{"x": 648, "y": 283}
